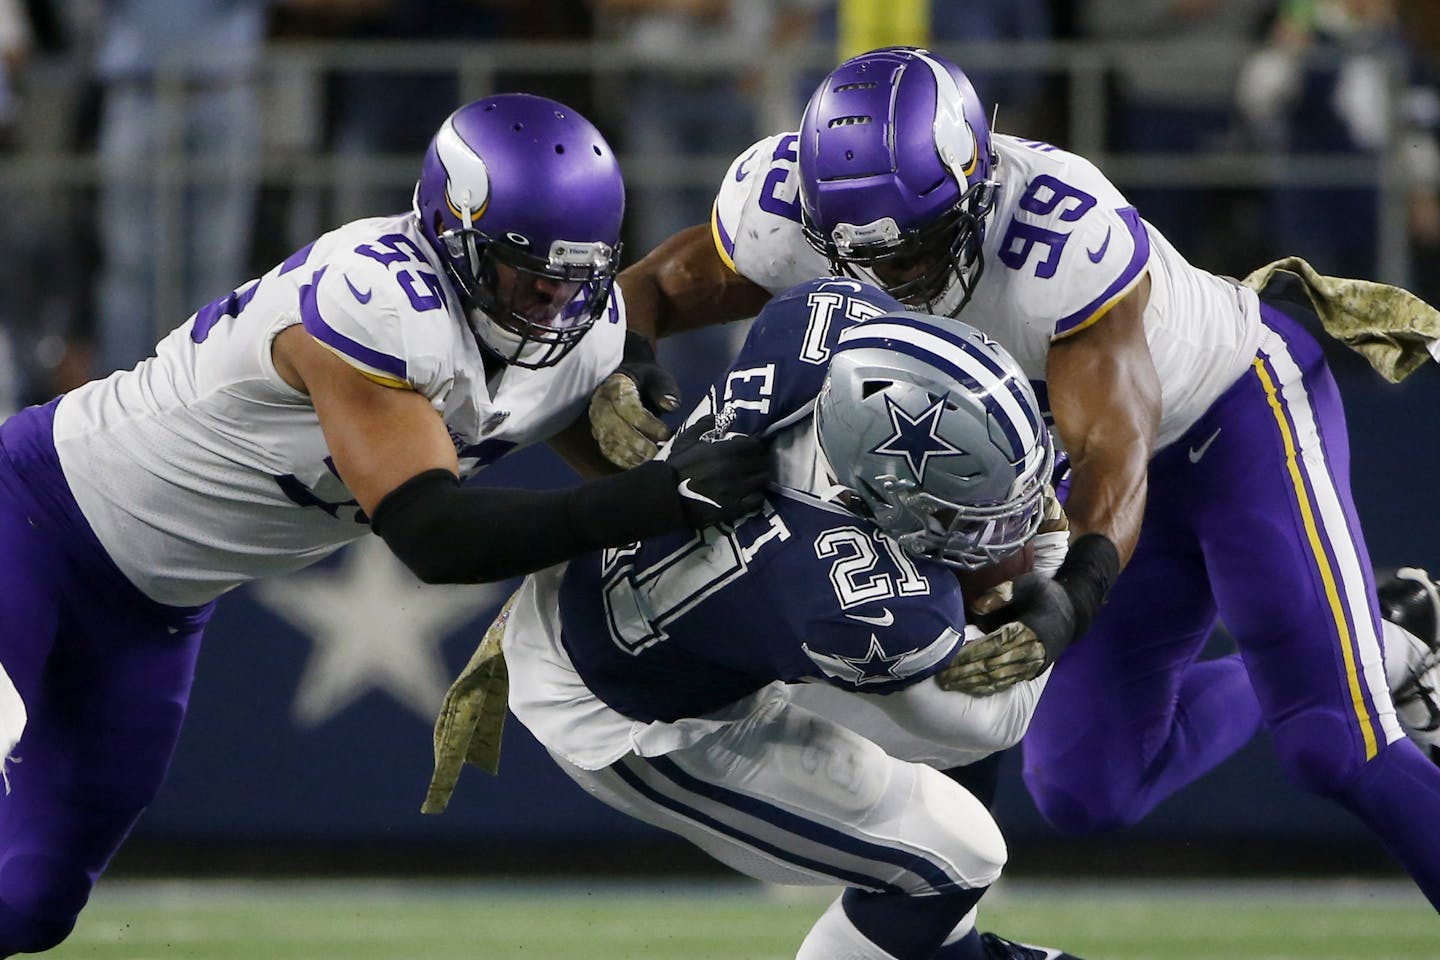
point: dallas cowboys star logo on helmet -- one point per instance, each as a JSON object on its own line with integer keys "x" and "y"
{"x": 916, "y": 438}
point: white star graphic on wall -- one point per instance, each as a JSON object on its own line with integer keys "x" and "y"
{"x": 374, "y": 626}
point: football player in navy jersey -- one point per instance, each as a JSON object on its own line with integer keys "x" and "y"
{"x": 349, "y": 390}
{"x": 1182, "y": 399}
{"x": 772, "y": 688}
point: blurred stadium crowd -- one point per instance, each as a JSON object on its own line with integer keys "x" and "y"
{"x": 156, "y": 153}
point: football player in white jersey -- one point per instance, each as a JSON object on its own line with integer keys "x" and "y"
{"x": 348, "y": 390}
{"x": 772, "y": 689}
{"x": 1181, "y": 398}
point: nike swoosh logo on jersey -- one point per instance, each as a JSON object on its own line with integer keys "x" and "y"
{"x": 743, "y": 171}
{"x": 884, "y": 620}
{"x": 1097, "y": 255}
{"x": 362, "y": 297}
{"x": 1197, "y": 452}
{"x": 689, "y": 493}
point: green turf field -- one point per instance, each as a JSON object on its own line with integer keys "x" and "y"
{"x": 592, "y": 920}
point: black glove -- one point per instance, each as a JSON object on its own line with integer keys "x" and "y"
{"x": 717, "y": 479}
{"x": 1046, "y": 608}
{"x": 659, "y": 390}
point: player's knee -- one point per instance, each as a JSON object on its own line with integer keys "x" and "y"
{"x": 975, "y": 847}
{"x": 1079, "y": 812}
{"x": 1315, "y": 751}
{"x": 40, "y": 897}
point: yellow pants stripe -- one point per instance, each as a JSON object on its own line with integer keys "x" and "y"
{"x": 1327, "y": 575}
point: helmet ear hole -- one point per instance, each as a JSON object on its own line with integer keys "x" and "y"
{"x": 871, "y": 387}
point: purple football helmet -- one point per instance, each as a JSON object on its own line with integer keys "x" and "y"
{"x": 522, "y": 199}
{"x": 896, "y": 176}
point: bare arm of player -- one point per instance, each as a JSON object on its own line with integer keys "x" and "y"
{"x": 580, "y": 450}
{"x": 393, "y": 452}
{"x": 378, "y": 436}
{"x": 682, "y": 284}
{"x": 1105, "y": 395}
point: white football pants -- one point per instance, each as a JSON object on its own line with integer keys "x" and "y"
{"x": 788, "y": 796}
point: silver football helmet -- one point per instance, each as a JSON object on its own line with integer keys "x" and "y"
{"x": 937, "y": 431}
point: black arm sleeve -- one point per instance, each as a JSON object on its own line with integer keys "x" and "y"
{"x": 448, "y": 533}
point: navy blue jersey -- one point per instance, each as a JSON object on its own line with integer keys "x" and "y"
{"x": 778, "y": 372}
{"x": 683, "y": 624}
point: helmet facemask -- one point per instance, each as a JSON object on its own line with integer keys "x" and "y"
{"x": 528, "y": 310}
{"x": 964, "y": 535}
{"x": 933, "y": 269}
{"x": 938, "y": 434}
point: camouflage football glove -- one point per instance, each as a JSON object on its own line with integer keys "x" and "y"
{"x": 1042, "y": 625}
{"x": 624, "y": 408}
{"x": 471, "y": 721}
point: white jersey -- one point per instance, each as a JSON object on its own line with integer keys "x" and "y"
{"x": 1061, "y": 247}
{"x": 202, "y": 469}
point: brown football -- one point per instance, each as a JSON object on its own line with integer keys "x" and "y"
{"x": 975, "y": 582}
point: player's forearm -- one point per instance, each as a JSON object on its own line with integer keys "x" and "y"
{"x": 684, "y": 285}
{"x": 1105, "y": 396}
{"x": 447, "y": 533}
{"x": 1107, "y": 496}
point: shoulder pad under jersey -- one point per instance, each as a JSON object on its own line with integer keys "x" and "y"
{"x": 386, "y": 315}
{"x": 1072, "y": 240}
{"x": 755, "y": 221}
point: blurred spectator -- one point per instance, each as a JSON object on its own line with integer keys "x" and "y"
{"x": 683, "y": 125}
{"x": 1016, "y": 92}
{"x": 43, "y": 248}
{"x": 14, "y": 46}
{"x": 1339, "y": 77}
{"x": 1179, "y": 99}
{"x": 179, "y": 85}
{"x": 373, "y": 113}
{"x": 861, "y": 25}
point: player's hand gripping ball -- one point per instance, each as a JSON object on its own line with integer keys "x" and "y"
{"x": 1040, "y": 620}
{"x": 1012, "y": 651}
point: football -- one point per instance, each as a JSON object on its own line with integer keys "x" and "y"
{"x": 973, "y": 583}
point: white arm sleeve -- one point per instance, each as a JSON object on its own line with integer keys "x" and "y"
{"x": 925, "y": 724}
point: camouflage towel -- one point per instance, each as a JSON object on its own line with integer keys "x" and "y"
{"x": 472, "y": 717}
{"x": 1392, "y": 328}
